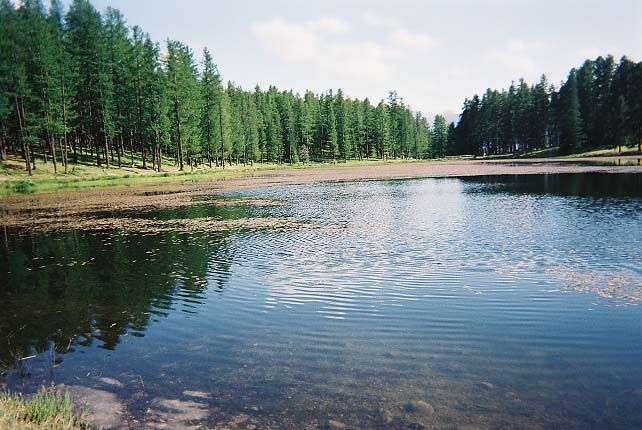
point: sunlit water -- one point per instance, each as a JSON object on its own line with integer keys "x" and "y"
{"x": 504, "y": 302}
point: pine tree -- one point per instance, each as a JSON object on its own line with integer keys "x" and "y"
{"x": 210, "y": 87}
{"x": 330, "y": 137}
{"x": 13, "y": 84}
{"x": 540, "y": 119}
{"x": 118, "y": 66}
{"x": 236, "y": 122}
{"x": 252, "y": 149}
{"x": 439, "y": 136}
{"x": 274, "y": 139}
{"x": 62, "y": 82}
{"x": 571, "y": 129}
{"x": 86, "y": 45}
{"x": 184, "y": 92}
{"x": 309, "y": 113}
{"x": 344, "y": 138}
{"x": 261, "y": 122}
{"x": 381, "y": 130}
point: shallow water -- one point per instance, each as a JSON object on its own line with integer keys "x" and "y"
{"x": 504, "y": 302}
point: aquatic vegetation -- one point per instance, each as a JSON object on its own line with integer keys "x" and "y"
{"x": 616, "y": 288}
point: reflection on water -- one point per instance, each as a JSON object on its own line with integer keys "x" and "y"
{"x": 502, "y": 302}
{"x": 591, "y": 185}
{"x": 78, "y": 288}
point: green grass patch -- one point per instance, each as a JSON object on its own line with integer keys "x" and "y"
{"x": 554, "y": 152}
{"x": 607, "y": 152}
{"x": 23, "y": 186}
{"x": 49, "y": 409}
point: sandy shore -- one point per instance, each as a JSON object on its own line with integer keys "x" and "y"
{"x": 14, "y": 209}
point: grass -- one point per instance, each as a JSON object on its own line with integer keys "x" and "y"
{"x": 49, "y": 409}
{"x": 607, "y": 152}
{"x": 554, "y": 152}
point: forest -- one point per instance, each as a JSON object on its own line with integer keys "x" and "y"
{"x": 84, "y": 84}
{"x": 599, "y": 106}
{"x": 81, "y": 85}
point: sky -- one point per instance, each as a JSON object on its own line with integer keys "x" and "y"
{"x": 434, "y": 53}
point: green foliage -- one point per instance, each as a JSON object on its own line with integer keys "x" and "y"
{"x": 183, "y": 89}
{"x": 24, "y": 186}
{"x": 599, "y": 106}
{"x": 439, "y": 136}
{"x": 80, "y": 84}
{"x": 49, "y": 409}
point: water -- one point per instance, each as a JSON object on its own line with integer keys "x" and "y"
{"x": 504, "y": 302}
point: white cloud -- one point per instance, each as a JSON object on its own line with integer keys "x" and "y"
{"x": 293, "y": 42}
{"x": 328, "y": 45}
{"x": 594, "y": 52}
{"x": 415, "y": 41}
{"x": 311, "y": 43}
{"x": 457, "y": 71}
{"x": 329, "y": 24}
{"x": 375, "y": 20}
{"x": 518, "y": 56}
{"x": 519, "y": 45}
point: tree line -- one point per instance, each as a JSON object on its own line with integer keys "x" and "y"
{"x": 598, "y": 106}
{"x": 82, "y": 84}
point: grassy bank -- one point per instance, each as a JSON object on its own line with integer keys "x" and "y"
{"x": 86, "y": 175}
{"x": 554, "y": 152}
{"x": 46, "y": 410}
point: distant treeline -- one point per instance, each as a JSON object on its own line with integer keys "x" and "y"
{"x": 84, "y": 84}
{"x": 599, "y": 105}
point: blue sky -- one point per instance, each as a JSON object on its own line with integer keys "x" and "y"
{"x": 434, "y": 53}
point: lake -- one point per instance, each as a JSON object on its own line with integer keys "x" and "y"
{"x": 500, "y": 301}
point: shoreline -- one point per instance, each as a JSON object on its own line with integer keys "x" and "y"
{"x": 41, "y": 208}
{"x": 357, "y": 170}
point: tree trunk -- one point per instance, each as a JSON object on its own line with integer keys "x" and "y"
{"x": 64, "y": 121}
{"x": 25, "y": 149}
{"x": 75, "y": 148}
{"x": 178, "y": 127}
{"x": 94, "y": 137}
{"x": 119, "y": 147}
{"x": 50, "y": 138}
{"x": 44, "y": 150}
{"x": 52, "y": 145}
{"x": 153, "y": 159}
{"x": 220, "y": 123}
{"x": 33, "y": 158}
{"x": 63, "y": 154}
{"x": 107, "y": 150}
{"x": 131, "y": 147}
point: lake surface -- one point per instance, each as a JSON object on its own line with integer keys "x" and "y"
{"x": 504, "y": 302}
